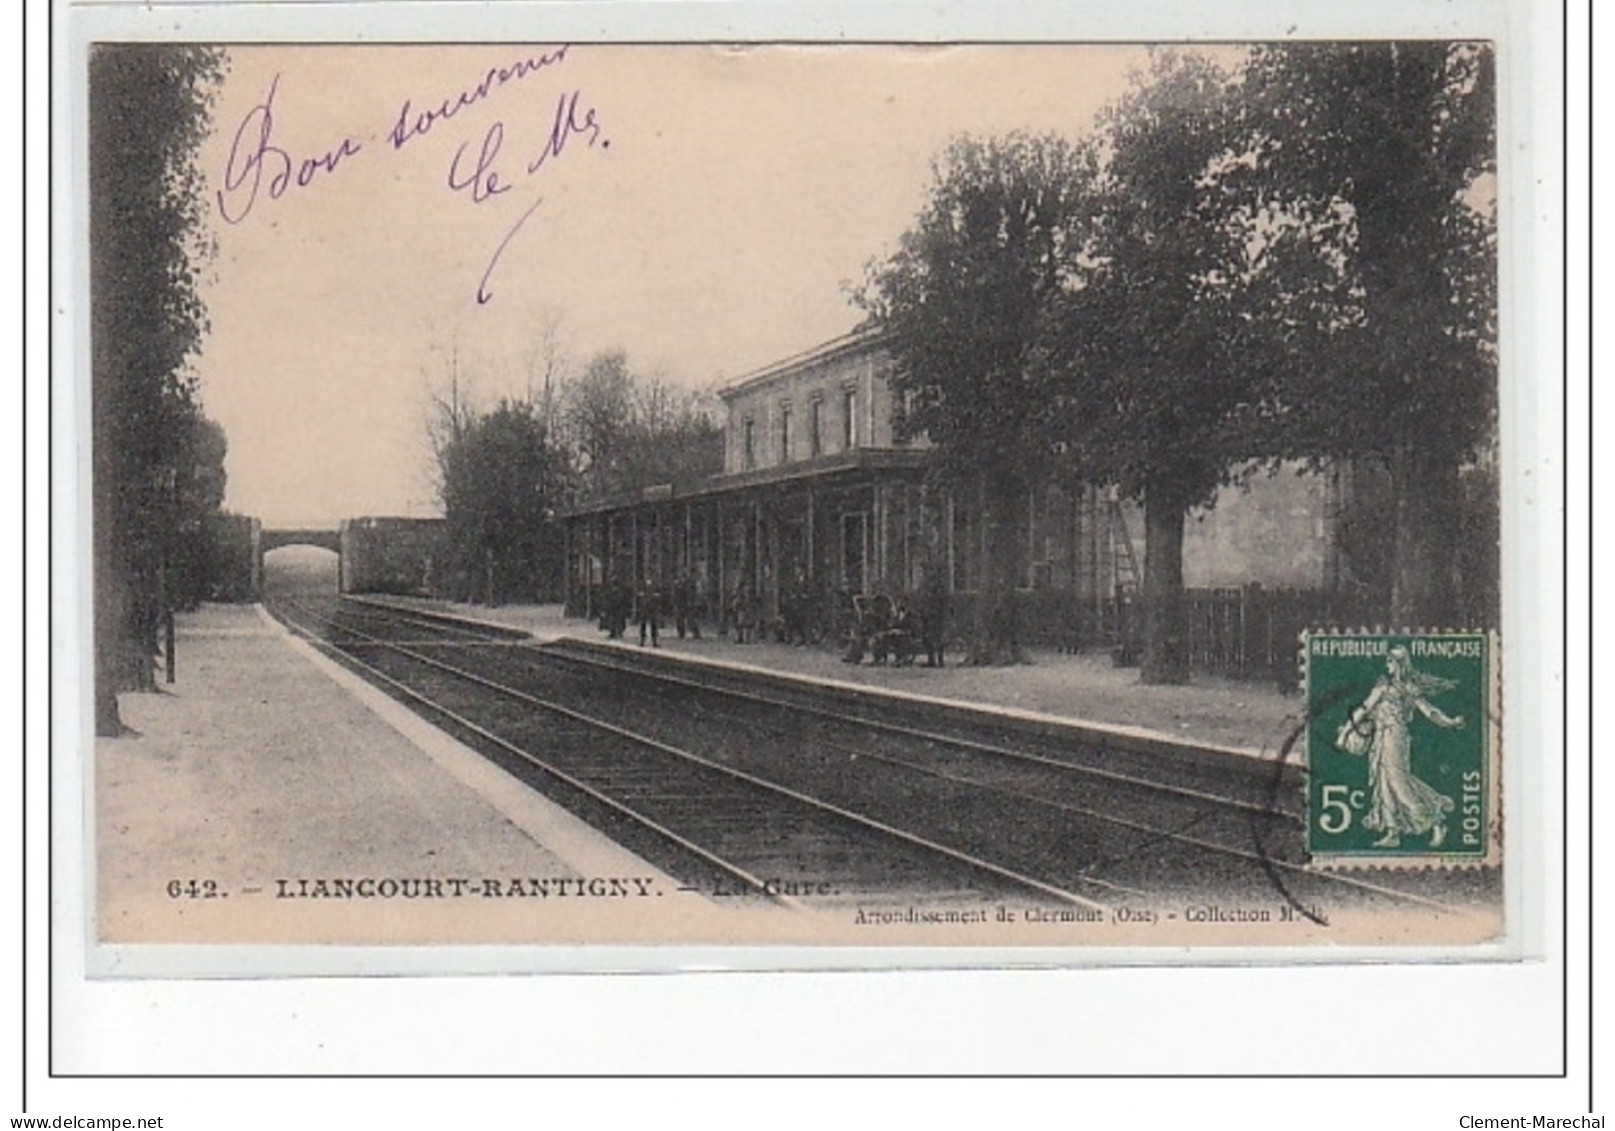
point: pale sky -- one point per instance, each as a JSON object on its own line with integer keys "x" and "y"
{"x": 728, "y": 196}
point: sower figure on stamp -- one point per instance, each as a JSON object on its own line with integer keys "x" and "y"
{"x": 1400, "y": 803}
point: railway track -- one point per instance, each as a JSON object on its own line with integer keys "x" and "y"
{"x": 761, "y": 792}
{"x": 724, "y": 831}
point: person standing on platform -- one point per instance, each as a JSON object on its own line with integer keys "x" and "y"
{"x": 684, "y": 611}
{"x": 741, "y": 611}
{"x": 933, "y": 615}
{"x": 615, "y": 599}
{"x": 650, "y": 616}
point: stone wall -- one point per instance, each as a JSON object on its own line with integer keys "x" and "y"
{"x": 1277, "y": 530}
{"x": 392, "y": 555}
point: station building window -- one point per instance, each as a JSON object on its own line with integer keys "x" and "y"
{"x": 785, "y": 432}
{"x": 816, "y": 427}
{"x": 849, "y": 419}
{"x": 748, "y": 441}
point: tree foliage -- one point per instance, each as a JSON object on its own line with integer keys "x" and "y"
{"x": 150, "y": 108}
{"x": 1291, "y": 260}
{"x": 194, "y": 560}
{"x": 1164, "y": 362}
{"x": 504, "y": 478}
{"x": 632, "y": 431}
{"x": 504, "y": 475}
{"x": 1394, "y": 143}
{"x": 964, "y": 306}
{"x": 1157, "y": 390}
{"x": 676, "y": 437}
{"x": 598, "y": 412}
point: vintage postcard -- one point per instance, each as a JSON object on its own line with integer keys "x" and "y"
{"x": 1043, "y": 498}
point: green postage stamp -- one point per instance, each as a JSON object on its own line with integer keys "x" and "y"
{"x": 1402, "y": 748}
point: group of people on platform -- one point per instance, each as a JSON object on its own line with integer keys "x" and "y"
{"x": 883, "y": 626}
{"x": 619, "y": 604}
{"x": 893, "y": 628}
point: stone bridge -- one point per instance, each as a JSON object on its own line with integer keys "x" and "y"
{"x": 378, "y": 555}
{"x": 326, "y": 539}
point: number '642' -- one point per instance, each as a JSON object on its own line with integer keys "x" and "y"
{"x": 193, "y": 889}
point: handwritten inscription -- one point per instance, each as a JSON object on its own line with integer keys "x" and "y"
{"x": 412, "y": 123}
{"x": 479, "y": 170}
{"x": 254, "y": 156}
{"x": 482, "y": 180}
{"x": 567, "y": 125}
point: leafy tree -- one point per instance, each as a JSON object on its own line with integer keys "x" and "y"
{"x": 150, "y": 108}
{"x": 504, "y": 479}
{"x": 631, "y": 432}
{"x": 676, "y": 436}
{"x": 1166, "y": 371}
{"x": 599, "y": 412}
{"x": 198, "y": 498}
{"x": 503, "y": 475}
{"x": 1393, "y": 145}
{"x": 965, "y": 305}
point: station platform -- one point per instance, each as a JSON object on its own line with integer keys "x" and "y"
{"x": 267, "y": 768}
{"x": 1236, "y": 717}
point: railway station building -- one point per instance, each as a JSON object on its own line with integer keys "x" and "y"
{"x": 819, "y": 501}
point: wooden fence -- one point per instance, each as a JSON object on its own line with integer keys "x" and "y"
{"x": 1251, "y": 632}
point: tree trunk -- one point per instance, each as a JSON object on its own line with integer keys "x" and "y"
{"x": 109, "y": 653}
{"x": 142, "y": 630}
{"x": 109, "y": 604}
{"x": 1166, "y": 653}
{"x": 1424, "y": 581}
{"x": 996, "y": 639}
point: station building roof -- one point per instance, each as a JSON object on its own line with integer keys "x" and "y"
{"x": 840, "y": 465}
{"x": 859, "y": 341}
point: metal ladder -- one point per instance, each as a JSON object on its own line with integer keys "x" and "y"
{"x": 1123, "y": 559}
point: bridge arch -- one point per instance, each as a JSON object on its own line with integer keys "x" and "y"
{"x": 325, "y": 539}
